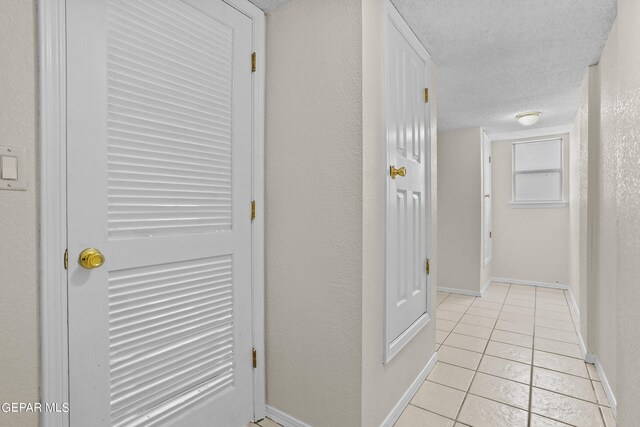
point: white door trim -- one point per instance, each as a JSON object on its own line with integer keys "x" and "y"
{"x": 392, "y": 346}
{"x": 54, "y": 359}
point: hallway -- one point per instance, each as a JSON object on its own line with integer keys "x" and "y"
{"x": 510, "y": 358}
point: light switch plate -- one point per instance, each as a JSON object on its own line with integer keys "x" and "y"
{"x": 21, "y": 182}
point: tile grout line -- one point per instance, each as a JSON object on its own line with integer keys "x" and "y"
{"x": 483, "y": 353}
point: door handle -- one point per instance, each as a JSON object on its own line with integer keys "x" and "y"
{"x": 395, "y": 172}
{"x": 91, "y": 258}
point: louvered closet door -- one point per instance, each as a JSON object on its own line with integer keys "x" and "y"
{"x": 159, "y": 180}
{"x": 407, "y": 196}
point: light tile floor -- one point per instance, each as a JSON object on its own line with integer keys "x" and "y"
{"x": 265, "y": 422}
{"x": 511, "y": 359}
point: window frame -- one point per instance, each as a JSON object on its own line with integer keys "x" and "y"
{"x": 560, "y": 203}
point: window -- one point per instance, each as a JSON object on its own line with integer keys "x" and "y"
{"x": 538, "y": 174}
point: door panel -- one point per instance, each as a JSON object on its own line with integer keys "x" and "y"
{"x": 159, "y": 180}
{"x": 407, "y": 135}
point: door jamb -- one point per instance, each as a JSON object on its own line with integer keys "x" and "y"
{"x": 54, "y": 357}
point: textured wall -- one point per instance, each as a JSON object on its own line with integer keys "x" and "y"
{"x": 314, "y": 211}
{"x": 19, "y": 340}
{"x": 528, "y": 244}
{"x": 613, "y": 322}
{"x": 383, "y": 385}
{"x": 460, "y": 209}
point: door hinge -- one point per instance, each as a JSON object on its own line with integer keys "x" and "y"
{"x": 489, "y": 159}
{"x": 66, "y": 259}
{"x": 254, "y": 357}
{"x": 426, "y": 95}
{"x": 490, "y": 234}
{"x": 428, "y": 266}
{"x": 253, "y": 210}
{"x": 253, "y": 62}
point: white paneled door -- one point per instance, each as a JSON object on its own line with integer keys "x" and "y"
{"x": 159, "y": 182}
{"x": 408, "y": 136}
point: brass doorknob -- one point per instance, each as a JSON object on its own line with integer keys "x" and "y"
{"x": 91, "y": 258}
{"x": 395, "y": 172}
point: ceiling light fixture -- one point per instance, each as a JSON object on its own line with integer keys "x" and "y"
{"x": 529, "y": 119}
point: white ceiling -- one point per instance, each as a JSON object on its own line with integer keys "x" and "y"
{"x": 498, "y": 58}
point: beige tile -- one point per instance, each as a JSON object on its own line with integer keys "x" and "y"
{"x": 460, "y": 300}
{"x": 466, "y": 342}
{"x": 517, "y": 327}
{"x": 452, "y": 376}
{"x": 559, "y": 382}
{"x": 512, "y": 338}
{"x": 556, "y": 334}
{"x": 557, "y": 308}
{"x": 516, "y": 317}
{"x": 470, "y": 319}
{"x": 555, "y": 324}
{"x": 440, "y": 399}
{"x": 593, "y": 372}
{"x": 461, "y": 425}
{"x": 538, "y": 421}
{"x": 441, "y": 336}
{"x": 600, "y": 394}
{"x": 476, "y": 311}
{"x": 542, "y": 301}
{"x": 508, "y": 351}
{"x": 518, "y": 310}
{"x": 452, "y": 307}
{"x": 266, "y": 422}
{"x": 609, "y": 419}
{"x": 566, "y": 409}
{"x": 445, "y": 325}
{"x": 520, "y": 302}
{"x": 557, "y": 347}
{"x": 252, "y": 425}
{"x": 556, "y": 362}
{"x": 480, "y": 412}
{"x": 494, "y": 297}
{"x": 546, "y": 314}
{"x": 473, "y": 330}
{"x": 416, "y": 417}
{"x": 504, "y": 368}
{"x": 491, "y": 305}
{"x": 453, "y": 316}
{"x": 501, "y": 390}
{"x": 459, "y": 357}
{"x": 541, "y": 289}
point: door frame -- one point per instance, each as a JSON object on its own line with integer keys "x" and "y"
{"x": 54, "y": 357}
{"x": 393, "y": 345}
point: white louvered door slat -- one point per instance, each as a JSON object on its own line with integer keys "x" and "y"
{"x": 407, "y": 196}
{"x": 159, "y": 180}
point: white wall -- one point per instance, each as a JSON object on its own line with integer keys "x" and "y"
{"x": 528, "y": 244}
{"x": 460, "y": 210}
{"x": 383, "y": 385}
{"x": 613, "y": 314}
{"x": 19, "y": 339}
{"x": 314, "y": 211}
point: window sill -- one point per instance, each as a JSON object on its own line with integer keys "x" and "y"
{"x": 538, "y": 205}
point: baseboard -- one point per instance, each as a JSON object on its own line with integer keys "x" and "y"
{"x": 408, "y": 395}
{"x": 486, "y": 285}
{"x": 531, "y": 283}
{"x": 592, "y": 358}
{"x": 283, "y": 418}
{"x": 459, "y": 291}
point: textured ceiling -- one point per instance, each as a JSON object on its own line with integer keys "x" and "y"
{"x": 498, "y": 58}
{"x": 268, "y": 5}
